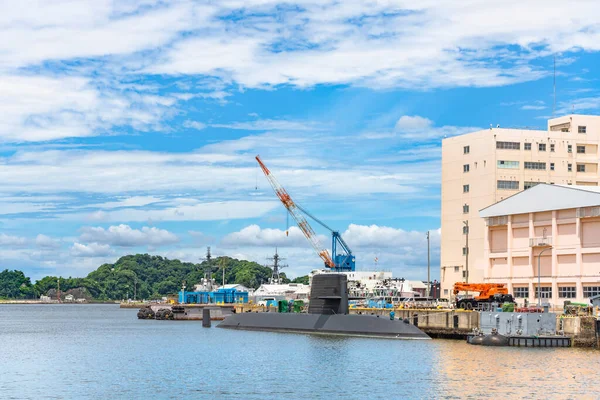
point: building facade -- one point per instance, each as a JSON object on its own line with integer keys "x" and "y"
{"x": 546, "y": 237}
{"x": 484, "y": 167}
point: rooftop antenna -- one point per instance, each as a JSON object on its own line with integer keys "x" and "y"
{"x": 275, "y": 277}
{"x": 554, "y": 88}
{"x": 208, "y": 267}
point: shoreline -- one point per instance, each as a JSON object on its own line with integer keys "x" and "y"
{"x": 38, "y": 302}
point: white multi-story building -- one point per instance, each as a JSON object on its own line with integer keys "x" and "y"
{"x": 484, "y": 167}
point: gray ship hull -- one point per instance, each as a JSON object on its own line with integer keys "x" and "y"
{"x": 337, "y": 324}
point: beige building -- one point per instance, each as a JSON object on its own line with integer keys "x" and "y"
{"x": 484, "y": 167}
{"x": 546, "y": 237}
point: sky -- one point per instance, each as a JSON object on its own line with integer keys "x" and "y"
{"x": 131, "y": 126}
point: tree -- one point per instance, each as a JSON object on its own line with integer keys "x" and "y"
{"x": 301, "y": 279}
{"x": 15, "y": 285}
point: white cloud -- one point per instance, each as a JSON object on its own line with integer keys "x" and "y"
{"x": 270, "y": 125}
{"x": 415, "y": 44}
{"x": 212, "y": 211}
{"x": 374, "y": 236}
{"x": 47, "y": 242}
{"x": 42, "y": 108}
{"x": 413, "y": 123}
{"x": 194, "y": 125}
{"x": 9, "y": 240}
{"x": 403, "y": 252}
{"x": 417, "y": 128}
{"x": 90, "y": 250}
{"x": 578, "y": 105}
{"x": 254, "y": 235}
{"x": 533, "y": 107}
{"x": 124, "y": 236}
{"x": 134, "y": 201}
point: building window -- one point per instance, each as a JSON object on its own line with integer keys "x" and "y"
{"x": 521, "y": 292}
{"x": 465, "y": 229}
{"x": 466, "y": 149}
{"x": 508, "y": 164}
{"x": 508, "y": 145}
{"x": 569, "y": 167}
{"x": 508, "y": 185}
{"x": 546, "y": 292}
{"x": 591, "y": 291}
{"x": 464, "y": 274}
{"x": 455, "y": 269}
{"x": 465, "y": 188}
{"x": 528, "y": 185}
{"x": 466, "y": 168}
{"x": 445, "y": 292}
{"x": 527, "y": 146}
{"x": 580, "y": 167}
{"x": 552, "y": 147}
{"x": 541, "y": 146}
{"x": 580, "y": 149}
{"x": 465, "y": 209}
{"x": 535, "y": 165}
{"x": 464, "y": 251}
{"x": 569, "y": 148}
{"x": 551, "y": 166}
{"x": 567, "y": 292}
{"x": 581, "y": 129}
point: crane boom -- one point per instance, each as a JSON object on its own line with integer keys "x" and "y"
{"x": 294, "y": 210}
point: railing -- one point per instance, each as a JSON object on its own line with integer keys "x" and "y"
{"x": 540, "y": 241}
{"x": 495, "y": 221}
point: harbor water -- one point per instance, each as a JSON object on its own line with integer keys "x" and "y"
{"x": 102, "y": 351}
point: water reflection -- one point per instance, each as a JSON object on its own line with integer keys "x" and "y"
{"x": 503, "y": 372}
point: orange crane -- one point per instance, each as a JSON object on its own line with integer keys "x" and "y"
{"x": 488, "y": 292}
{"x": 295, "y": 212}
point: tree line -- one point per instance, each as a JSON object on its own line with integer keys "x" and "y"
{"x": 139, "y": 276}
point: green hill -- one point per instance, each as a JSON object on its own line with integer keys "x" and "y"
{"x": 148, "y": 276}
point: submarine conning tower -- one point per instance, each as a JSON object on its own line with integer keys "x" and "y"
{"x": 329, "y": 294}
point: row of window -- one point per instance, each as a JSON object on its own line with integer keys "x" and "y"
{"x": 564, "y": 292}
{"x": 507, "y": 185}
{"x": 508, "y": 164}
{"x": 514, "y": 185}
{"x": 527, "y": 146}
{"x": 536, "y": 165}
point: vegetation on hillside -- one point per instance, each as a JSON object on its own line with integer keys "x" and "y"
{"x": 141, "y": 276}
{"x": 301, "y": 279}
{"x": 15, "y": 285}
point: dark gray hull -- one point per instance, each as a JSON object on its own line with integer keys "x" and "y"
{"x": 346, "y": 325}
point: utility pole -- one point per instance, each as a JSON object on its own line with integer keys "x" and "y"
{"x": 223, "y": 266}
{"x": 428, "y": 268}
{"x": 58, "y": 290}
{"x": 467, "y": 251}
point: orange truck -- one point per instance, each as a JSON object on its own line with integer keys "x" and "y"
{"x": 487, "y": 293}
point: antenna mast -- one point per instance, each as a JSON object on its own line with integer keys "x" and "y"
{"x": 275, "y": 276}
{"x": 554, "y": 88}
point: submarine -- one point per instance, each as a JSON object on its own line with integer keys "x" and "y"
{"x": 327, "y": 315}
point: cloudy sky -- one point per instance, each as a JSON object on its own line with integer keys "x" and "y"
{"x": 132, "y": 125}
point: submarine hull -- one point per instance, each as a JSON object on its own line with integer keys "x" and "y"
{"x": 336, "y": 324}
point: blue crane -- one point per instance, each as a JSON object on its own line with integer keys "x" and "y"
{"x": 344, "y": 261}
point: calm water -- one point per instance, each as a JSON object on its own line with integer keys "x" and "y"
{"x": 102, "y": 352}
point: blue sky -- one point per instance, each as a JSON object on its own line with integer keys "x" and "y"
{"x": 132, "y": 126}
